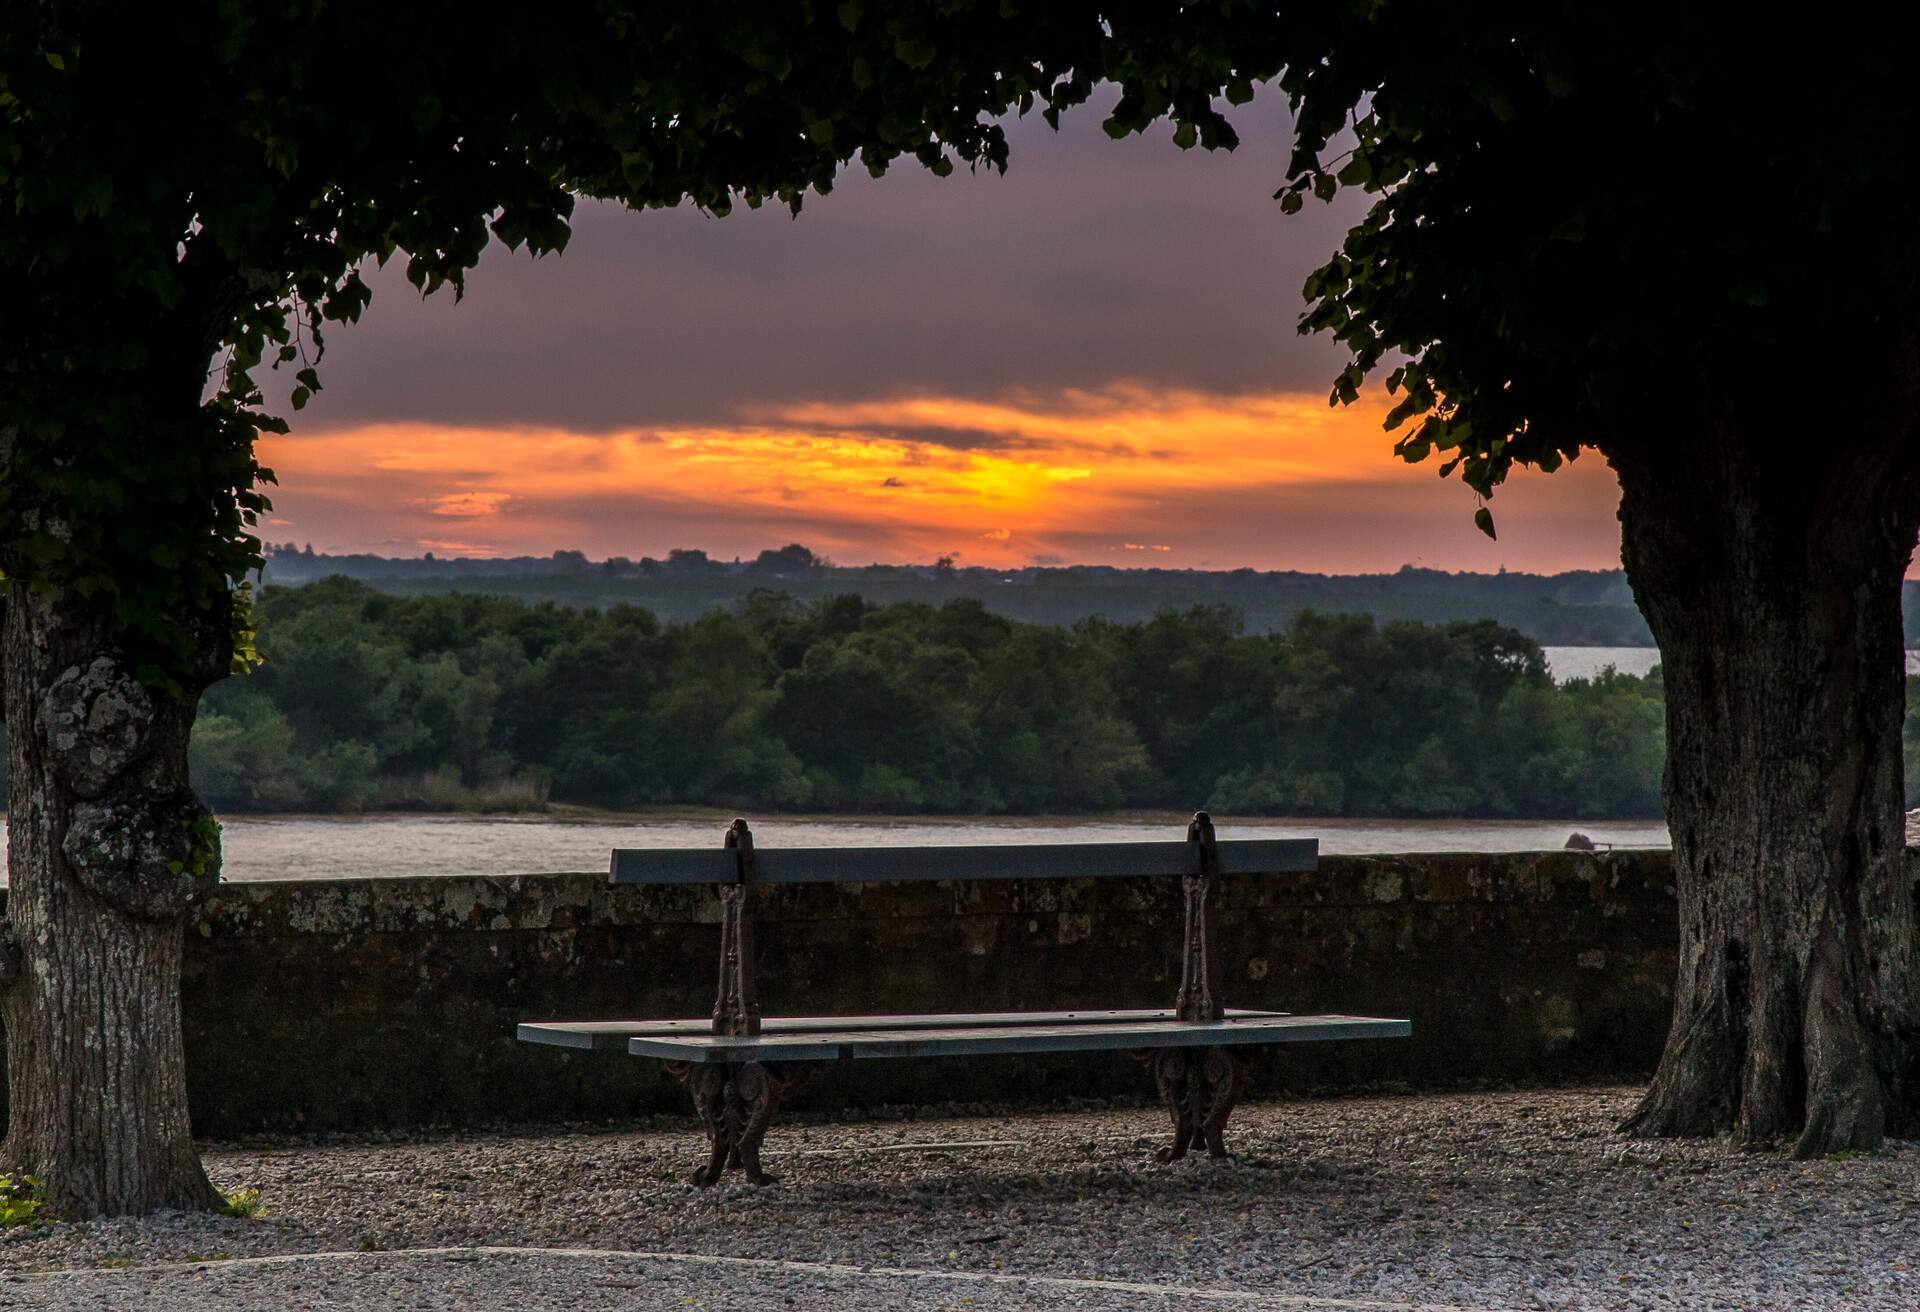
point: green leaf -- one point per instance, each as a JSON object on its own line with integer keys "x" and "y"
{"x": 427, "y": 112}
{"x": 1572, "y": 229}
{"x": 850, "y": 13}
{"x": 1483, "y": 520}
{"x": 914, "y": 52}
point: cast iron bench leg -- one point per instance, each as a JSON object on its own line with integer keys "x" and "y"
{"x": 736, "y": 1105}
{"x": 1199, "y": 1088}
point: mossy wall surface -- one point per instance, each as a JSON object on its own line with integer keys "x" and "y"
{"x": 357, "y": 1003}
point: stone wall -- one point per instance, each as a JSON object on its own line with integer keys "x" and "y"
{"x": 357, "y": 1003}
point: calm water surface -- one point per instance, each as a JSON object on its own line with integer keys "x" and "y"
{"x": 1585, "y": 662}
{"x": 327, "y": 847}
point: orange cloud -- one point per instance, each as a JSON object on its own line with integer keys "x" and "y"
{"x": 457, "y": 548}
{"x": 1271, "y": 480}
{"x": 469, "y": 505}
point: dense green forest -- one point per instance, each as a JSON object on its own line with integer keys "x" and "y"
{"x": 369, "y": 700}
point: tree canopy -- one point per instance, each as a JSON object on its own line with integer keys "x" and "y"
{"x": 188, "y": 179}
{"x": 1592, "y": 230}
{"x": 181, "y": 180}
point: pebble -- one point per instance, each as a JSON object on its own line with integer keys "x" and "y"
{"x": 1493, "y": 1200}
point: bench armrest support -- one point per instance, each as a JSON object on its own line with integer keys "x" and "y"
{"x": 736, "y": 1006}
{"x": 1200, "y": 996}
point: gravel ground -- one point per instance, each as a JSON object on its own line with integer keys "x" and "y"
{"x": 1484, "y": 1200}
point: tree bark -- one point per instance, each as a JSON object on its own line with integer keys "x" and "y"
{"x": 106, "y": 849}
{"x": 1769, "y": 566}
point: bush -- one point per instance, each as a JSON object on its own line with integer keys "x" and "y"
{"x": 341, "y": 776}
{"x": 443, "y": 790}
{"x": 243, "y": 760}
{"x": 22, "y": 1203}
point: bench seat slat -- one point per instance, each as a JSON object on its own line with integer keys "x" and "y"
{"x": 845, "y": 865}
{"x": 971, "y": 1040}
{"x": 612, "y": 1035}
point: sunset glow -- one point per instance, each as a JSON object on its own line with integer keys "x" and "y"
{"x": 1120, "y": 475}
{"x": 1091, "y": 358}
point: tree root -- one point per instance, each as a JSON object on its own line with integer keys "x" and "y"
{"x": 1808, "y": 1072}
{"x": 1694, "y": 1094}
{"x": 1846, "y": 1105}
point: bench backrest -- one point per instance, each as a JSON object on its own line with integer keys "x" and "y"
{"x": 852, "y": 865}
{"x": 736, "y": 868}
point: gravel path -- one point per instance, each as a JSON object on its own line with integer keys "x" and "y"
{"x": 1470, "y": 1201}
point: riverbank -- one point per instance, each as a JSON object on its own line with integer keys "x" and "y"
{"x": 1478, "y": 1201}
{"x": 258, "y": 847}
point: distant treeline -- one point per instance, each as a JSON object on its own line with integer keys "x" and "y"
{"x": 370, "y": 700}
{"x": 1579, "y": 608}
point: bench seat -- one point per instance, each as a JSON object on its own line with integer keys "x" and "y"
{"x": 833, "y": 1038}
{"x": 612, "y": 1035}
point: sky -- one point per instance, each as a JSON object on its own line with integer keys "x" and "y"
{"x": 1089, "y": 359}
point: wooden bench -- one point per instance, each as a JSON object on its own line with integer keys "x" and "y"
{"x": 725, "y": 1060}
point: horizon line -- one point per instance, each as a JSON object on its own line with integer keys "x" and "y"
{"x": 576, "y": 559}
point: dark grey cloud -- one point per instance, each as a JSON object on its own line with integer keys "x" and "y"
{"x": 1090, "y": 260}
{"x": 954, "y": 438}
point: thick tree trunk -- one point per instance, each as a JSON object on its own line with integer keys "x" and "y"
{"x": 106, "y": 849}
{"x": 1769, "y": 567}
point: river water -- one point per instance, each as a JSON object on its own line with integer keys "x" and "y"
{"x": 1585, "y": 662}
{"x": 334, "y": 847}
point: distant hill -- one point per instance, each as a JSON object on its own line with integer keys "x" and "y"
{"x": 1581, "y": 608}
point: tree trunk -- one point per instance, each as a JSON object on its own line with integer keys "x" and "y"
{"x": 1769, "y": 566}
{"x": 106, "y": 850}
